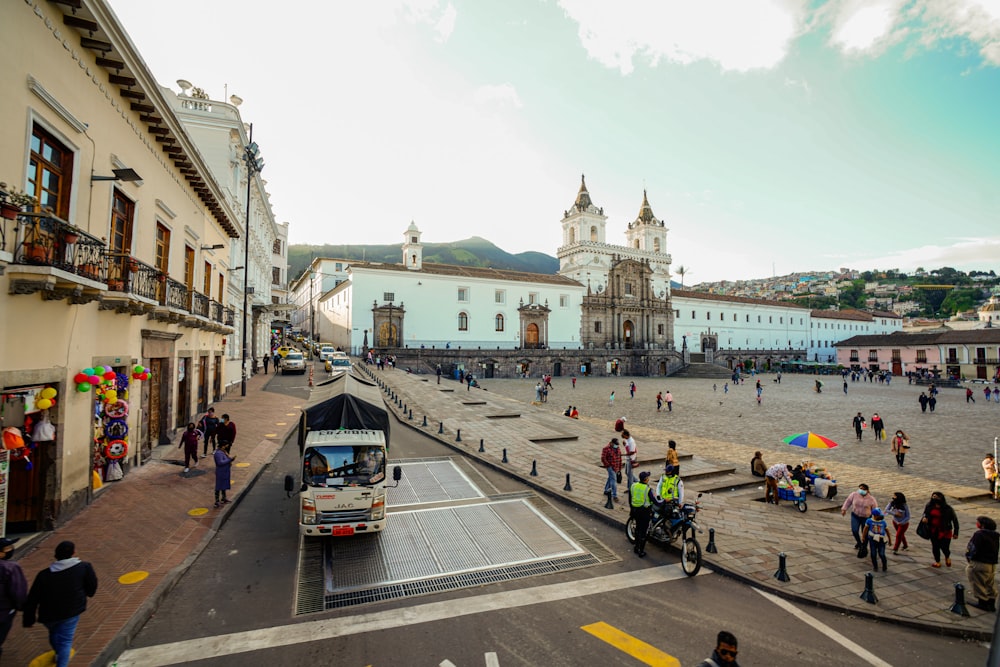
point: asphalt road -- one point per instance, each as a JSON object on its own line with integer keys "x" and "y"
{"x": 244, "y": 582}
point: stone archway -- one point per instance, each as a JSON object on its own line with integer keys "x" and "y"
{"x": 628, "y": 331}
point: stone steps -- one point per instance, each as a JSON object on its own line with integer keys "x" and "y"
{"x": 702, "y": 370}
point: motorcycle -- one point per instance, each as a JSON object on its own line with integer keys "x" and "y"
{"x": 666, "y": 527}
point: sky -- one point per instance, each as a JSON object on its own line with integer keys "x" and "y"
{"x": 771, "y": 136}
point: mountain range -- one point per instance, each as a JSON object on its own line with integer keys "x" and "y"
{"x": 474, "y": 251}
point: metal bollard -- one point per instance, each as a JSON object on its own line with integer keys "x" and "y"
{"x": 440, "y": 427}
{"x": 567, "y": 487}
{"x": 458, "y": 435}
{"x": 481, "y": 448}
{"x": 710, "y": 547}
{"x": 534, "y": 469}
{"x": 782, "y": 573}
{"x": 504, "y": 459}
{"x": 959, "y": 606}
{"x": 404, "y": 408}
{"x": 425, "y": 421}
{"x": 868, "y": 595}
{"x": 411, "y": 414}
{"x": 609, "y": 505}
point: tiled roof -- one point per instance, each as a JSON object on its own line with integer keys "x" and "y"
{"x": 848, "y": 314}
{"x": 471, "y": 272}
{"x": 983, "y": 336}
{"x": 687, "y": 294}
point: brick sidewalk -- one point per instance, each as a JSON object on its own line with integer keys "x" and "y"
{"x": 142, "y": 523}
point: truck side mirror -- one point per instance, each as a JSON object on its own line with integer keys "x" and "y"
{"x": 397, "y": 474}
{"x": 289, "y": 485}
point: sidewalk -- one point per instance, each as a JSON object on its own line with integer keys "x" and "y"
{"x": 749, "y": 535}
{"x": 157, "y": 520}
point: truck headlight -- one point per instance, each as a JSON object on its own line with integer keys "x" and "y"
{"x": 308, "y": 511}
{"x": 378, "y": 507}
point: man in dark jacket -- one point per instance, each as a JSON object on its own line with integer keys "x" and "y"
{"x": 982, "y": 555}
{"x": 226, "y": 431}
{"x": 59, "y": 595}
{"x": 13, "y": 589}
{"x": 725, "y": 652}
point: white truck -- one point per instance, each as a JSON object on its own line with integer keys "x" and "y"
{"x": 341, "y": 483}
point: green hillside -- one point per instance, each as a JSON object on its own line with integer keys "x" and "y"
{"x": 473, "y": 251}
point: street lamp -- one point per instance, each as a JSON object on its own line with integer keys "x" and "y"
{"x": 255, "y": 164}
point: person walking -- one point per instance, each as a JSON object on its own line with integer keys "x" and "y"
{"x": 439, "y": 373}
{"x": 990, "y": 471}
{"x": 923, "y": 400}
{"x": 876, "y": 534}
{"x": 860, "y": 504}
{"x": 669, "y": 398}
{"x": 725, "y": 652}
{"x": 878, "y": 427}
{"x": 267, "y": 360}
{"x": 659, "y": 400}
{"x": 223, "y": 473}
{"x": 981, "y": 569}
{"x": 611, "y": 399}
{"x": 209, "y": 426}
{"x": 932, "y": 401}
{"x": 276, "y": 357}
{"x": 899, "y": 512}
{"x": 572, "y": 379}
{"x": 900, "y": 445}
{"x": 640, "y": 504}
{"x": 189, "y": 441}
{"x": 57, "y": 598}
{"x": 672, "y": 458}
{"x": 774, "y": 473}
{"x": 943, "y": 526}
{"x": 611, "y": 459}
{"x": 859, "y": 425}
{"x": 13, "y": 588}
{"x": 226, "y": 432}
{"x": 631, "y": 389}
{"x": 969, "y": 398}
{"x": 631, "y": 458}
{"x": 845, "y": 387}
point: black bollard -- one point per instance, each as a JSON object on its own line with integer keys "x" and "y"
{"x": 868, "y": 595}
{"x": 567, "y": 487}
{"x": 504, "y": 459}
{"x": 710, "y": 547}
{"x": 534, "y": 469}
{"x": 481, "y": 448}
{"x": 959, "y": 606}
{"x": 609, "y": 505}
{"x": 411, "y": 414}
{"x": 425, "y": 421}
{"x": 440, "y": 427}
{"x": 782, "y": 573}
{"x": 404, "y": 408}
{"x": 458, "y": 435}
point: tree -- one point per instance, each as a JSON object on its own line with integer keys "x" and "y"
{"x": 682, "y": 271}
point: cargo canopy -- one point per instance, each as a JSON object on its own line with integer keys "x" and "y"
{"x": 348, "y": 403}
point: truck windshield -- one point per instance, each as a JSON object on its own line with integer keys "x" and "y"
{"x": 343, "y": 465}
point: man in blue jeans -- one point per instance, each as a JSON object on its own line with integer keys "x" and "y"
{"x": 59, "y": 595}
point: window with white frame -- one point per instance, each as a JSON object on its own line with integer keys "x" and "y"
{"x": 564, "y": 301}
{"x": 532, "y": 297}
{"x": 499, "y": 322}
{"x": 500, "y": 296}
{"x": 463, "y": 294}
{"x": 463, "y": 321}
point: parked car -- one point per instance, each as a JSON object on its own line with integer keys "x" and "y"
{"x": 293, "y": 362}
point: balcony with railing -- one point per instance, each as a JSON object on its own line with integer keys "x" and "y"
{"x": 60, "y": 261}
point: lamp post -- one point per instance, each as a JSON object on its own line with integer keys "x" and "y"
{"x": 251, "y": 156}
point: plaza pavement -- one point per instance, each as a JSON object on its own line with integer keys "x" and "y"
{"x": 158, "y": 520}
{"x": 717, "y": 433}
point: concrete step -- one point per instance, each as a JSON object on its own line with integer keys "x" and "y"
{"x": 701, "y": 370}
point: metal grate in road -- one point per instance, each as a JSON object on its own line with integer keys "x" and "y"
{"x": 431, "y": 481}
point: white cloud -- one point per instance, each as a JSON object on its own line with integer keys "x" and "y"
{"x": 446, "y": 24}
{"x": 861, "y": 25}
{"x": 503, "y": 94}
{"x": 430, "y": 12}
{"x": 978, "y": 21}
{"x": 964, "y": 254}
{"x": 739, "y": 36}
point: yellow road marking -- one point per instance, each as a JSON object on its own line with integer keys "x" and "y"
{"x": 281, "y": 423}
{"x": 241, "y": 465}
{"x": 198, "y": 511}
{"x": 270, "y": 435}
{"x": 636, "y": 648}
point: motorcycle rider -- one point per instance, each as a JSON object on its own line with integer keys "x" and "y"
{"x": 641, "y": 502}
{"x": 669, "y": 492}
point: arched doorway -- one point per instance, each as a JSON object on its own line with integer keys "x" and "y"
{"x": 387, "y": 335}
{"x": 627, "y": 334}
{"x": 531, "y": 336}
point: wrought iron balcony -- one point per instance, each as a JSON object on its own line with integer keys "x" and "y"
{"x": 45, "y": 240}
{"x": 177, "y": 295}
{"x": 215, "y": 310}
{"x": 199, "y": 304}
{"x": 229, "y": 317}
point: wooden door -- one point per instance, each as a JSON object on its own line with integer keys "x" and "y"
{"x": 184, "y": 367}
{"x": 156, "y": 411}
{"x": 217, "y": 380}
{"x": 531, "y": 336}
{"x": 627, "y": 333}
{"x": 203, "y": 383}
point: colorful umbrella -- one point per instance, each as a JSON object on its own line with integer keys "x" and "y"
{"x": 810, "y": 440}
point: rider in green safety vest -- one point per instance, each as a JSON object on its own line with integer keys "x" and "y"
{"x": 670, "y": 489}
{"x": 641, "y": 510}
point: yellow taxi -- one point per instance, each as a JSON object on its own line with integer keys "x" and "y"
{"x": 284, "y": 350}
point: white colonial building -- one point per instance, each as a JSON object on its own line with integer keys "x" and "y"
{"x": 417, "y": 304}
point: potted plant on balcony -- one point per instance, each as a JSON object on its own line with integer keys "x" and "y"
{"x": 13, "y": 201}
{"x": 161, "y": 277}
{"x": 133, "y": 264}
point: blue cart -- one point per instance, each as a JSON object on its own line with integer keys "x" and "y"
{"x": 788, "y": 493}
